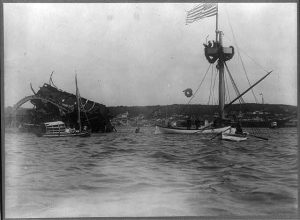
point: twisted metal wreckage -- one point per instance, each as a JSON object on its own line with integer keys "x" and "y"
{"x": 51, "y": 103}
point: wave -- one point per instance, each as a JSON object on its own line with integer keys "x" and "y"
{"x": 268, "y": 197}
{"x": 128, "y": 174}
{"x": 164, "y": 155}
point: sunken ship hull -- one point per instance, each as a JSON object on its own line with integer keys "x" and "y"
{"x": 54, "y": 104}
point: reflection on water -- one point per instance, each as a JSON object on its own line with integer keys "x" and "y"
{"x": 142, "y": 174}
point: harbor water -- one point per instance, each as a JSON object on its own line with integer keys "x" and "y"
{"x": 142, "y": 174}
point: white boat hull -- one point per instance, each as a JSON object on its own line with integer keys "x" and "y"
{"x": 58, "y": 129}
{"x": 233, "y": 137}
{"x": 167, "y": 130}
{"x": 66, "y": 134}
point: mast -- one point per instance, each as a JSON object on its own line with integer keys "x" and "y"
{"x": 78, "y": 104}
{"x": 214, "y": 52}
{"x": 217, "y": 24}
{"x": 221, "y": 81}
{"x": 220, "y": 66}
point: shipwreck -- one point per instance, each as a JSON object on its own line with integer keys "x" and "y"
{"x": 52, "y": 104}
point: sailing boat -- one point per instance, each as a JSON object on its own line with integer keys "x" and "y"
{"x": 58, "y": 128}
{"x": 215, "y": 52}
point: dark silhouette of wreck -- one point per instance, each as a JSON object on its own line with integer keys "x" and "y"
{"x": 53, "y": 104}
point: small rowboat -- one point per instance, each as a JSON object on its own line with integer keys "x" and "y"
{"x": 202, "y": 130}
{"x": 234, "y": 137}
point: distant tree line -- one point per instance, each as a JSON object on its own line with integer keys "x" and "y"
{"x": 199, "y": 110}
{"x": 161, "y": 111}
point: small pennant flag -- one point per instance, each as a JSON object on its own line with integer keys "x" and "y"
{"x": 201, "y": 11}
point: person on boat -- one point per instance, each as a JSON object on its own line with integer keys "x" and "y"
{"x": 189, "y": 123}
{"x": 239, "y": 129}
{"x": 215, "y": 123}
{"x": 215, "y": 44}
{"x": 72, "y": 129}
{"x": 197, "y": 123}
{"x": 209, "y": 44}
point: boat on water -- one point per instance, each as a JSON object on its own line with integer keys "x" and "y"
{"x": 202, "y": 130}
{"x": 59, "y": 129}
{"x": 215, "y": 53}
{"x": 234, "y": 137}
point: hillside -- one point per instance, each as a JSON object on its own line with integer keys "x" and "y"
{"x": 210, "y": 110}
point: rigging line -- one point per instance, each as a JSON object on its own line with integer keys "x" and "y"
{"x": 210, "y": 88}
{"x": 87, "y": 119}
{"x": 247, "y": 90}
{"x": 241, "y": 100}
{"x": 199, "y": 84}
{"x": 261, "y": 66}
{"x": 233, "y": 83}
{"x": 227, "y": 87}
{"x": 211, "y": 94}
{"x": 213, "y": 100}
{"x": 239, "y": 55}
{"x": 82, "y": 107}
{"x": 243, "y": 51}
{"x": 213, "y": 91}
{"x": 51, "y": 81}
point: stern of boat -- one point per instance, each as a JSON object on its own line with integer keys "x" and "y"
{"x": 157, "y": 130}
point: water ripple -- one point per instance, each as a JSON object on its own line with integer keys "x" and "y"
{"x": 129, "y": 174}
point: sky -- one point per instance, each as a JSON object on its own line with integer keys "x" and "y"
{"x": 136, "y": 54}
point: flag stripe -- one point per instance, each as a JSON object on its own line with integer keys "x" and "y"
{"x": 201, "y": 11}
{"x": 202, "y": 16}
{"x": 190, "y": 20}
{"x": 199, "y": 18}
{"x": 213, "y": 10}
{"x": 203, "y": 6}
{"x": 196, "y": 8}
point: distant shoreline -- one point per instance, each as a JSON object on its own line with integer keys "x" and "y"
{"x": 199, "y": 109}
{"x": 129, "y": 106}
{"x": 191, "y": 109}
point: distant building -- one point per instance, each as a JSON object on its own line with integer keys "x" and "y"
{"x": 291, "y": 123}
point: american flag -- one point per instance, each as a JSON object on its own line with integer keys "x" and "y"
{"x": 201, "y": 11}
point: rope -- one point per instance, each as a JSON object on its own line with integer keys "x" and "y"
{"x": 199, "y": 85}
{"x": 210, "y": 88}
{"x": 227, "y": 87}
{"x": 82, "y": 107}
{"x": 241, "y": 100}
{"x": 254, "y": 130}
{"x": 247, "y": 76}
{"x": 85, "y": 103}
{"x": 261, "y": 66}
{"x": 244, "y": 52}
{"x": 51, "y": 81}
{"x": 215, "y": 102}
{"x": 235, "y": 43}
